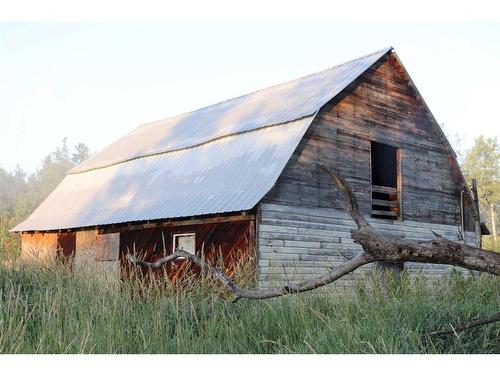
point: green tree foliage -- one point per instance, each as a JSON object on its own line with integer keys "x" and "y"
{"x": 21, "y": 193}
{"x": 81, "y": 153}
{"x": 482, "y": 162}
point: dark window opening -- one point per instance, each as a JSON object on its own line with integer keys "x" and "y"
{"x": 384, "y": 165}
{"x": 385, "y": 184}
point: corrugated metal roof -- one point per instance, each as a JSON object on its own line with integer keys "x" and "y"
{"x": 225, "y": 175}
{"x": 222, "y": 158}
{"x": 275, "y": 105}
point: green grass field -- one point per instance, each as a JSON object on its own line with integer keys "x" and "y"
{"x": 53, "y": 311}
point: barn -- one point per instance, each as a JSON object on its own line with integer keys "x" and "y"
{"x": 239, "y": 180}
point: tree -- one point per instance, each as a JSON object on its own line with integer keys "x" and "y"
{"x": 82, "y": 152}
{"x": 44, "y": 180}
{"x": 482, "y": 162}
{"x": 21, "y": 193}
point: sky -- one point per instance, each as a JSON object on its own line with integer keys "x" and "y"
{"x": 94, "y": 82}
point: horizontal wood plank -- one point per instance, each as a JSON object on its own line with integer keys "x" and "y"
{"x": 175, "y": 223}
{"x": 385, "y": 213}
{"x": 384, "y": 189}
{"x": 380, "y": 202}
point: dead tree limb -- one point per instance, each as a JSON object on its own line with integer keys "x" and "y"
{"x": 439, "y": 250}
{"x": 221, "y": 276}
{"x": 309, "y": 284}
{"x": 468, "y": 325}
{"x": 351, "y": 201}
{"x": 376, "y": 247}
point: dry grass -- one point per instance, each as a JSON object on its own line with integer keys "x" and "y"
{"x": 53, "y": 310}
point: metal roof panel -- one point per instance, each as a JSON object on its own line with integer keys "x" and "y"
{"x": 226, "y": 175}
{"x": 274, "y": 105}
{"x": 222, "y": 158}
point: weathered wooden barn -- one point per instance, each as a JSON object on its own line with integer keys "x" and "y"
{"x": 239, "y": 179}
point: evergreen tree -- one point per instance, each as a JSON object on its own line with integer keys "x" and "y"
{"x": 82, "y": 152}
{"x": 20, "y": 193}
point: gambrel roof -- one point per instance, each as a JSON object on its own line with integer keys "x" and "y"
{"x": 222, "y": 158}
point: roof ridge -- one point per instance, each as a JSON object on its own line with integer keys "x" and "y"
{"x": 387, "y": 49}
{"x": 272, "y": 91}
{"x": 182, "y": 148}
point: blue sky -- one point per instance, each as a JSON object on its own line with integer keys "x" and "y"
{"x": 94, "y": 82}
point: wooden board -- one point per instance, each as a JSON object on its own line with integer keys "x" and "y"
{"x": 296, "y": 243}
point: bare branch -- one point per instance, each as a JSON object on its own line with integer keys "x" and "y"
{"x": 468, "y": 325}
{"x": 291, "y": 288}
{"x": 309, "y": 284}
{"x": 436, "y": 234}
{"x": 352, "y": 203}
{"x": 348, "y": 255}
{"x": 195, "y": 259}
{"x": 436, "y": 251}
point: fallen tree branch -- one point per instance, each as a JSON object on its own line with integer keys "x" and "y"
{"x": 195, "y": 259}
{"x": 352, "y": 204}
{"x": 376, "y": 247}
{"x": 291, "y": 288}
{"x": 438, "y": 251}
{"x": 468, "y": 325}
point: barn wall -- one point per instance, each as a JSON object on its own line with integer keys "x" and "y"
{"x": 295, "y": 243}
{"x": 38, "y": 246}
{"x": 227, "y": 242}
{"x": 96, "y": 255}
{"x": 48, "y": 247}
{"x": 89, "y": 253}
{"x": 379, "y": 106}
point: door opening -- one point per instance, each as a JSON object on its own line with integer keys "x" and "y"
{"x": 386, "y": 181}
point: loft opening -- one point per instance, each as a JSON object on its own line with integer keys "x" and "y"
{"x": 386, "y": 181}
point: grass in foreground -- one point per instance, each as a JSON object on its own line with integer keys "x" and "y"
{"x": 56, "y": 312}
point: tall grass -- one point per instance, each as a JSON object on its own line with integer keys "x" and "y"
{"x": 10, "y": 244}
{"x": 55, "y": 311}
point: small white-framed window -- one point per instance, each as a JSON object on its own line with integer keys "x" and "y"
{"x": 184, "y": 241}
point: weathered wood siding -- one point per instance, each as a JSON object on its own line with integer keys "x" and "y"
{"x": 39, "y": 246}
{"x": 295, "y": 243}
{"x": 88, "y": 253}
{"x": 48, "y": 247}
{"x": 96, "y": 255}
{"x": 226, "y": 244}
{"x": 379, "y": 106}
